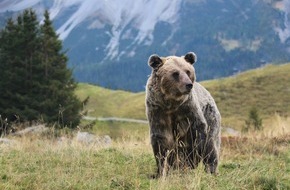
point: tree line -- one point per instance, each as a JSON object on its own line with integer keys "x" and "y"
{"x": 35, "y": 82}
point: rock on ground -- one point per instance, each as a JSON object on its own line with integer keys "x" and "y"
{"x": 91, "y": 139}
{"x": 6, "y": 141}
{"x": 31, "y": 130}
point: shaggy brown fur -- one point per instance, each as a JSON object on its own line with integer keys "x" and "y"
{"x": 183, "y": 117}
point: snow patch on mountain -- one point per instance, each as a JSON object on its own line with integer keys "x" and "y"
{"x": 142, "y": 15}
{"x": 284, "y": 32}
{"x": 15, "y": 5}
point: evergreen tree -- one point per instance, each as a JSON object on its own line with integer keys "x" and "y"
{"x": 5, "y": 44}
{"x": 30, "y": 59}
{"x": 60, "y": 104}
{"x": 253, "y": 120}
{"x": 35, "y": 81}
{"x": 12, "y": 69}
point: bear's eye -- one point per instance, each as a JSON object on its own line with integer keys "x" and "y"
{"x": 188, "y": 73}
{"x": 175, "y": 74}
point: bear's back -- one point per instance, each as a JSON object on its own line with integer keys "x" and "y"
{"x": 203, "y": 96}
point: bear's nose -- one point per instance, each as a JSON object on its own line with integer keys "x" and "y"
{"x": 189, "y": 86}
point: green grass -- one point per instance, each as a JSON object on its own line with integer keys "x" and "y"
{"x": 39, "y": 162}
{"x": 107, "y": 103}
{"x": 265, "y": 88}
{"x": 117, "y": 130}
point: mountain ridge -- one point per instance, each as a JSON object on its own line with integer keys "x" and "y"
{"x": 109, "y": 42}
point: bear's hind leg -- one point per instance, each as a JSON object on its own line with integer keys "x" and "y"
{"x": 210, "y": 157}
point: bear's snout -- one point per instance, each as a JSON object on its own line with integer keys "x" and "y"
{"x": 186, "y": 83}
{"x": 189, "y": 86}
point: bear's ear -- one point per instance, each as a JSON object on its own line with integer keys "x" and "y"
{"x": 190, "y": 57}
{"x": 155, "y": 61}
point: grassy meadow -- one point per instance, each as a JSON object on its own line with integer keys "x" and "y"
{"x": 254, "y": 160}
{"x": 258, "y": 160}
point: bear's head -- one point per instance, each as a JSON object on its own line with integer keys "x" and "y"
{"x": 173, "y": 76}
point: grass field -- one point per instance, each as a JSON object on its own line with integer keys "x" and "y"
{"x": 257, "y": 160}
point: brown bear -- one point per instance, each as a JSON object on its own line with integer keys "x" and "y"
{"x": 183, "y": 117}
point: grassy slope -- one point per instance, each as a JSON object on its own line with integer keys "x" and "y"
{"x": 108, "y": 103}
{"x": 111, "y": 103}
{"x": 43, "y": 162}
{"x": 266, "y": 88}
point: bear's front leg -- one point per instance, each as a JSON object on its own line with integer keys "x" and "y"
{"x": 163, "y": 149}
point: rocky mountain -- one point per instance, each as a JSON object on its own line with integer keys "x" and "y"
{"x": 109, "y": 41}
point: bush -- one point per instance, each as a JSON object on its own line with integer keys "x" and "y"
{"x": 253, "y": 120}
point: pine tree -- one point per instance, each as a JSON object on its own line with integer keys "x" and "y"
{"x": 19, "y": 43}
{"x": 12, "y": 69}
{"x": 253, "y": 120}
{"x": 30, "y": 59}
{"x": 6, "y": 43}
{"x": 59, "y": 81}
{"x": 35, "y": 81}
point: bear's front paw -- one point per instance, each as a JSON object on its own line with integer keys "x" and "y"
{"x": 211, "y": 168}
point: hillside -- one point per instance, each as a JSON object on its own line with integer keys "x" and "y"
{"x": 112, "y": 103}
{"x": 114, "y": 38}
{"x": 265, "y": 88}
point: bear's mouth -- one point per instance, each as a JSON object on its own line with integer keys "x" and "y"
{"x": 187, "y": 91}
{"x": 183, "y": 92}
